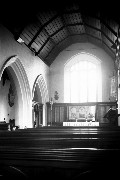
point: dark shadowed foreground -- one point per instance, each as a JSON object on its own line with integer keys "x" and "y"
{"x": 60, "y": 153}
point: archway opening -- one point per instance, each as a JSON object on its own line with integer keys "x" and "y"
{"x": 37, "y": 107}
{"x": 8, "y": 97}
{"x": 18, "y": 75}
{"x": 39, "y": 99}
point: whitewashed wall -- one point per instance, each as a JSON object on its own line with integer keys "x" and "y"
{"x": 57, "y": 68}
{"x": 32, "y": 64}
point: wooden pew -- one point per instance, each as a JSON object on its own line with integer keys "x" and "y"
{"x": 4, "y": 125}
{"x": 66, "y": 148}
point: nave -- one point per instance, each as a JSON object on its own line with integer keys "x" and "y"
{"x": 60, "y": 153}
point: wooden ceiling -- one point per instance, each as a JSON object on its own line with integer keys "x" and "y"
{"x": 47, "y": 29}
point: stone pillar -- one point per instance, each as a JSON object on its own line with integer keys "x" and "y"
{"x": 33, "y": 116}
{"x": 118, "y": 100}
{"x": 117, "y": 63}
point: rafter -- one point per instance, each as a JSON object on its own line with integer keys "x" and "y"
{"x": 75, "y": 24}
{"x": 41, "y": 28}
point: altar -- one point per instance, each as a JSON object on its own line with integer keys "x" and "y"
{"x": 81, "y": 116}
{"x": 80, "y": 123}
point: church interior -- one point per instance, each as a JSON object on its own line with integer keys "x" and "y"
{"x": 59, "y": 91}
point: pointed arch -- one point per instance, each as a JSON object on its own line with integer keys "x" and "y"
{"x": 43, "y": 88}
{"x": 24, "y": 92}
{"x": 44, "y": 94}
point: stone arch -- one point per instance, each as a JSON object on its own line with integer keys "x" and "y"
{"x": 23, "y": 88}
{"x": 44, "y": 93}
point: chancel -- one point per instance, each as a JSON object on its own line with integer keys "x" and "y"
{"x": 59, "y": 91}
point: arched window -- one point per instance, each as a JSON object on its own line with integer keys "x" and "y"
{"x": 82, "y": 79}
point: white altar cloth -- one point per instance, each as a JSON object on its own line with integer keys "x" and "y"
{"x": 80, "y": 123}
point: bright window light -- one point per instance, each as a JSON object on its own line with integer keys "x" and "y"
{"x": 82, "y": 79}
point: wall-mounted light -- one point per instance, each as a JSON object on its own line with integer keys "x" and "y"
{"x": 19, "y": 40}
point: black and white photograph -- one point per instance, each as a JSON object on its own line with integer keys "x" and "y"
{"x": 59, "y": 90}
